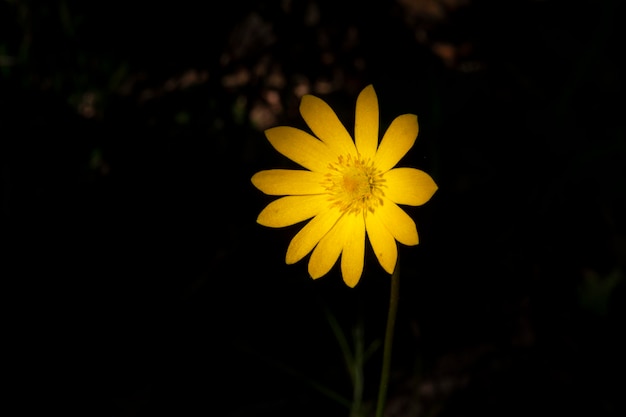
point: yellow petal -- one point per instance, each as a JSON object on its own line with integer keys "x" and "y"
{"x": 409, "y": 186}
{"x": 383, "y": 243}
{"x": 328, "y": 249}
{"x": 366, "y": 123}
{"x": 400, "y": 225}
{"x": 326, "y": 125}
{"x": 301, "y": 147}
{"x": 289, "y": 182}
{"x": 353, "y": 251}
{"x": 306, "y": 239}
{"x": 291, "y": 210}
{"x": 398, "y": 139}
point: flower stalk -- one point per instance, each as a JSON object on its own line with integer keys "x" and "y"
{"x": 394, "y": 295}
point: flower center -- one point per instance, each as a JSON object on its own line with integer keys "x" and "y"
{"x": 354, "y": 185}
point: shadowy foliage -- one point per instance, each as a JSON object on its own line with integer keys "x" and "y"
{"x": 129, "y": 132}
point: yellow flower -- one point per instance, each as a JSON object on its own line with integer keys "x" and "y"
{"x": 349, "y": 188}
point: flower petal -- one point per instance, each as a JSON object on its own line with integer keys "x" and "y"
{"x": 328, "y": 249}
{"x": 353, "y": 251}
{"x": 383, "y": 243}
{"x": 366, "y": 123}
{"x": 291, "y": 210}
{"x": 409, "y": 186}
{"x": 309, "y": 236}
{"x": 289, "y": 182}
{"x": 325, "y": 124}
{"x": 400, "y": 225}
{"x": 398, "y": 139}
{"x": 301, "y": 147}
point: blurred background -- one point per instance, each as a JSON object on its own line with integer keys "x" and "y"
{"x": 139, "y": 284}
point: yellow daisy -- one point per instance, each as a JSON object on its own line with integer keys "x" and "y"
{"x": 348, "y": 188}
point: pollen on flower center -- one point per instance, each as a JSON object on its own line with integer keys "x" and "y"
{"x": 354, "y": 185}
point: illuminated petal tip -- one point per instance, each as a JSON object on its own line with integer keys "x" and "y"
{"x": 396, "y": 142}
{"x": 409, "y": 186}
{"x": 353, "y": 254}
{"x": 366, "y": 123}
{"x": 329, "y": 248}
{"x": 310, "y": 235}
{"x": 289, "y": 210}
{"x": 324, "y": 123}
{"x": 301, "y": 147}
{"x": 288, "y": 182}
{"x": 351, "y": 280}
{"x": 383, "y": 242}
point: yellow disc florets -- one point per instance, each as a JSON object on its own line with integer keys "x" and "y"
{"x": 354, "y": 185}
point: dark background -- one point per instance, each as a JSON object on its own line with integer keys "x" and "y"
{"x": 138, "y": 283}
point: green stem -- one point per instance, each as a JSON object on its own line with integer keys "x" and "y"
{"x": 391, "y": 320}
{"x": 358, "y": 379}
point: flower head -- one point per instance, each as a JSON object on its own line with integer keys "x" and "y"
{"x": 348, "y": 189}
